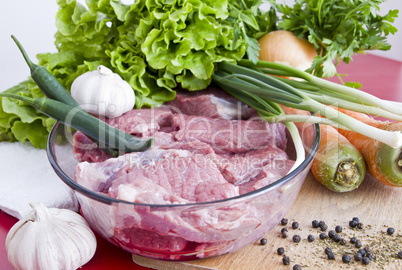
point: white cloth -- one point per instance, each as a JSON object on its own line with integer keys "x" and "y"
{"x": 26, "y": 176}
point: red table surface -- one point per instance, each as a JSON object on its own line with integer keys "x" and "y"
{"x": 379, "y": 76}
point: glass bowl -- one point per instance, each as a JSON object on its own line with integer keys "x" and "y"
{"x": 181, "y": 232}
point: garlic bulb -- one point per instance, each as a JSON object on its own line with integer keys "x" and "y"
{"x": 103, "y": 93}
{"x": 285, "y": 48}
{"x": 50, "y": 238}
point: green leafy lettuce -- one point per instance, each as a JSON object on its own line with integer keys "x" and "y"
{"x": 155, "y": 45}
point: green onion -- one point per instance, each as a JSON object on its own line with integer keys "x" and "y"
{"x": 248, "y": 77}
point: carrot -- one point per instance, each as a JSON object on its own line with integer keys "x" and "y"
{"x": 384, "y": 162}
{"x": 338, "y": 165}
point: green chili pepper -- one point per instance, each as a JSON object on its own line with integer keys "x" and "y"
{"x": 47, "y": 83}
{"x": 104, "y": 134}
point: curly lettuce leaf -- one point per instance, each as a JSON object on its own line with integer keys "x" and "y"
{"x": 155, "y": 45}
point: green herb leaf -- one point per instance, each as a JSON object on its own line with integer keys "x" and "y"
{"x": 338, "y": 29}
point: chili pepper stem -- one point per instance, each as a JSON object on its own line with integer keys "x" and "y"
{"x": 30, "y": 101}
{"x": 24, "y": 54}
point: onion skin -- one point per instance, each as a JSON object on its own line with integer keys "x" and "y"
{"x": 284, "y": 47}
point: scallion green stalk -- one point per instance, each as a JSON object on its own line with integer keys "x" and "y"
{"x": 246, "y": 77}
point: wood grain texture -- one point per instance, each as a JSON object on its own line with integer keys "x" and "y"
{"x": 377, "y": 206}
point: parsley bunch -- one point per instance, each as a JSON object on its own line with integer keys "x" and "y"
{"x": 338, "y": 29}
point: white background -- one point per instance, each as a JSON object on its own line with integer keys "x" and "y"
{"x": 33, "y": 23}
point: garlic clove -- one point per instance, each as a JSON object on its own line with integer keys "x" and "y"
{"x": 50, "y": 238}
{"x": 103, "y": 92}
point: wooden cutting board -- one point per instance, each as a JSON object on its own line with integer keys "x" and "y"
{"x": 377, "y": 206}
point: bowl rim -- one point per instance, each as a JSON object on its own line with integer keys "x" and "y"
{"x": 108, "y": 200}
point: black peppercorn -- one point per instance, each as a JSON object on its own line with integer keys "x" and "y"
{"x": 338, "y": 229}
{"x": 331, "y": 256}
{"x": 296, "y": 238}
{"x": 280, "y": 251}
{"x": 323, "y": 227}
{"x": 352, "y": 224}
{"x": 327, "y": 250}
{"x": 295, "y": 225}
{"x": 359, "y": 225}
{"x": 358, "y": 244}
{"x": 323, "y": 236}
{"x": 263, "y": 241}
{"x": 358, "y": 257}
{"x": 310, "y": 238}
{"x": 362, "y": 252}
{"x": 315, "y": 223}
{"x": 297, "y": 267}
{"x": 399, "y": 255}
{"x": 390, "y": 231}
{"x": 356, "y": 219}
{"x": 331, "y": 233}
{"x": 366, "y": 261}
{"x": 346, "y": 258}
{"x": 353, "y": 240}
{"x": 342, "y": 242}
{"x": 284, "y": 234}
{"x": 286, "y": 260}
{"x": 321, "y": 223}
{"x": 284, "y": 230}
{"x": 367, "y": 249}
{"x": 337, "y": 238}
{"x": 284, "y": 221}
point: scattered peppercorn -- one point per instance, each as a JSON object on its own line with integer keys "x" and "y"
{"x": 321, "y": 223}
{"x": 362, "y": 252}
{"x": 346, "y": 258}
{"x": 358, "y": 244}
{"x": 342, "y": 242}
{"x": 327, "y": 250}
{"x": 353, "y": 240}
{"x": 352, "y": 224}
{"x": 315, "y": 223}
{"x": 390, "y": 231}
{"x": 358, "y": 257}
{"x": 323, "y": 227}
{"x": 366, "y": 261}
{"x": 399, "y": 255}
{"x": 338, "y": 229}
{"x": 356, "y": 219}
{"x": 263, "y": 241}
{"x": 331, "y": 256}
{"x": 331, "y": 233}
{"x": 295, "y": 225}
{"x": 296, "y": 238}
{"x": 367, "y": 249}
{"x": 280, "y": 251}
{"x": 284, "y": 221}
{"x": 310, "y": 238}
{"x": 323, "y": 236}
{"x": 337, "y": 238}
{"x": 286, "y": 260}
{"x": 284, "y": 230}
{"x": 297, "y": 267}
{"x": 360, "y": 225}
{"x": 284, "y": 234}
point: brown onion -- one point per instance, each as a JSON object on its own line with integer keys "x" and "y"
{"x": 284, "y": 47}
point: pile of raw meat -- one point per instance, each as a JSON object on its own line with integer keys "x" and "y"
{"x": 208, "y": 146}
